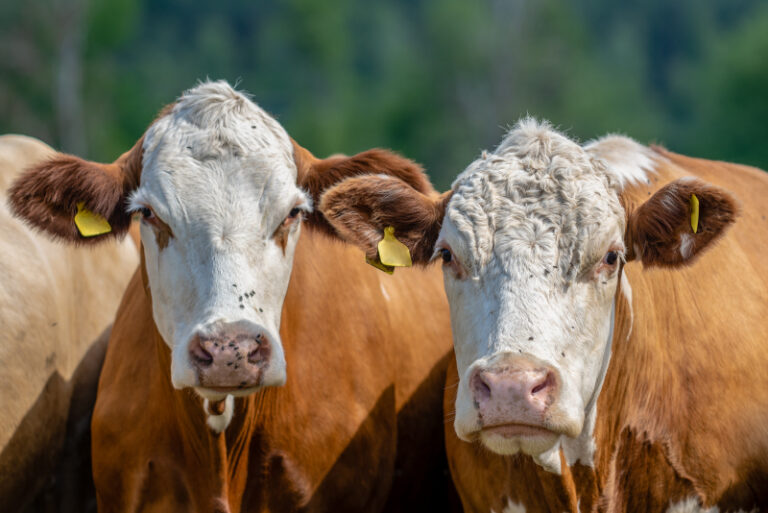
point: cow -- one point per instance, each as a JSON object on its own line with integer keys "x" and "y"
{"x": 56, "y": 306}
{"x": 610, "y": 322}
{"x": 250, "y": 369}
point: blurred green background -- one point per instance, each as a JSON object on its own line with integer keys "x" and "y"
{"x": 437, "y": 80}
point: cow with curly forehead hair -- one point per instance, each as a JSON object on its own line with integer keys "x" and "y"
{"x": 609, "y": 321}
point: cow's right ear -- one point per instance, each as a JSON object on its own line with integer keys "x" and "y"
{"x": 48, "y": 194}
{"x": 360, "y": 208}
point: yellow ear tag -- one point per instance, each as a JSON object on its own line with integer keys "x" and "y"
{"x": 381, "y": 267}
{"x": 90, "y": 224}
{"x": 392, "y": 252}
{"x": 694, "y": 213}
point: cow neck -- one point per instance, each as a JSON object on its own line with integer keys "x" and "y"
{"x": 583, "y": 457}
{"x": 612, "y": 403}
{"x": 222, "y": 458}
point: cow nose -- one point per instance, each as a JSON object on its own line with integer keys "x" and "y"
{"x": 230, "y": 359}
{"x": 518, "y": 392}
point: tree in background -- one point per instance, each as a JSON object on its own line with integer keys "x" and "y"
{"x": 437, "y": 80}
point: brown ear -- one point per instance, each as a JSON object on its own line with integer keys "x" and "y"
{"x": 318, "y": 175}
{"x": 659, "y": 232}
{"x": 46, "y": 195}
{"x": 360, "y": 208}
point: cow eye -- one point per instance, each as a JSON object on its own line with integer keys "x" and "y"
{"x": 146, "y": 213}
{"x": 446, "y": 255}
{"x": 294, "y": 212}
{"x": 611, "y": 258}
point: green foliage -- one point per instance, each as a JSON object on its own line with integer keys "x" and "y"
{"x": 437, "y": 80}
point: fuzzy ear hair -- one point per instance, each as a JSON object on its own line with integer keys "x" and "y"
{"x": 318, "y": 175}
{"x": 47, "y": 194}
{"x": 660, "y": 231}
{"x": 360, "y": 208}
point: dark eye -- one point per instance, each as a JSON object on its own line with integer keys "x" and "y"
{"x": 294, "y": 212}
{"x": 146, "y": 212}
{"x": 445, "y": 254}
{"x": 611, "y": 257}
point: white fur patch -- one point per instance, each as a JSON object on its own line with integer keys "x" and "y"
{"x": 686, "y": 245}
{"x": 627, "y": 161}
{"x": 219, "y": 423}
{"x": 512, "y": 507}
{"x": 692, "y": 505}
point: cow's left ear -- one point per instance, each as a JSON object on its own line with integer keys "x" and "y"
{"x": 678, "y": 223}
{"x": 316, "y": 176}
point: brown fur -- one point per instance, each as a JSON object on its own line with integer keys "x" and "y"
{"x": 360, "y": 208}
{"x": 362, "y": 398}
{"x": 163, "y": 234}
{"x": 656, "y": 226}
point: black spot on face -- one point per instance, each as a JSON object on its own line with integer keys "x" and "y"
{"x": 240, "y": 299}
{"x": 241, "y": 306}
{"x": 562, "y": 354}
{"x": 260, "y": 310}
{"x": 530, "y": 338}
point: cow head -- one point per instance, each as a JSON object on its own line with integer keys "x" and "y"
{"x": 221, "y": 190}
{"x": 532, "y": 239}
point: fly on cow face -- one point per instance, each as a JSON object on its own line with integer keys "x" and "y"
{"x": 219, "y": 204}
{"x": 534, "y": 234}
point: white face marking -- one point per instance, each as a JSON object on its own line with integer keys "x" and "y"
{"x": 220, "y": 173}
{"x": 530, "y": 226}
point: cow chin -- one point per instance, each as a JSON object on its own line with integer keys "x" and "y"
{"x": 532, "y": 444}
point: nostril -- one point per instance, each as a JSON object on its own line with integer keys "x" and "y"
{"x": 547, "y": 383}
{"x": 481, "y": 391}
{"x": 258, "y": 354}
{"x": 200, "y": 355}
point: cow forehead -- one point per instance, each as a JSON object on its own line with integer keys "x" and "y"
{"x": 539, "y": 198}
{"x": 215, "y": 140}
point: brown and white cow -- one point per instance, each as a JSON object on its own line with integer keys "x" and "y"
{"x": 56, "y": 306}
{"x": 573, "y": 389}
{"x": 228, "y": 387}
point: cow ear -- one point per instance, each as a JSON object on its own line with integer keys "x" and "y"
{"x": 50, "y": 194}
{"x": 318, "y": 175}
{"x": 360, "y": 208}
{"x": 664, "y": 231}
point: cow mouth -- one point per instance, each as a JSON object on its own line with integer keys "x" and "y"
{"x": 515, "y": 430}
{"x": 217, "y": 391}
